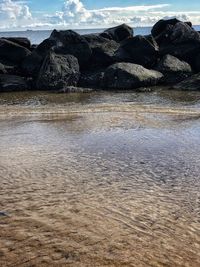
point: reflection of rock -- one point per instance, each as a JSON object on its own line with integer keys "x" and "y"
{"x": 9, "y": 83}
{"x": 130, "y": 76}
{"x": 174, "y": 70}
{"x": 192, "y": 83}
{"x": 58, "y": 72}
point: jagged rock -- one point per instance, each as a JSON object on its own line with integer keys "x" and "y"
{"x": 32, "y": 63}
{"x": 197, "y": 63}
{"x": 103, "y": 50}
{"x": 10, "y": 83}
{"x": 190, "y": 84}
{"x": 58, "y": 72}
{"x": 91, "y": 79}
{"x": 174, "y": 70}
{"x": 2, "y": 69}
{"x": 130, "y": 76}
{"x": 118, "y": 33}
{"x": 70, "y": 42}
{"x": 139, "y": 50}
{"x": 25, "y": 42}
{"x": 162, "y": 25}
{"x": 12, "y": 51}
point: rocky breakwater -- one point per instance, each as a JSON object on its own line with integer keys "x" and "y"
{"x": 114, "y": 59}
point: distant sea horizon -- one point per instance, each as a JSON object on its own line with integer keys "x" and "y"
{"x": 37, "y": 36}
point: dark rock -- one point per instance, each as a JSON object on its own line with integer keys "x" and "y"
{"x": 181, "y": 41}
{"x": 70, "y": 42}
{"x": 25, "y": 42}
{"x": 32, "y": 63}
{"x": 103, "y": 50}
{"x": 139, "y": 50}
{"x": 190, "y": 84}
{"x": 197, "y": 63}
{"x": 174, "y": 70}
{"x": 118, "y": 33}
{"x": 10, "y": 83}
{"x": 130, "y": 76}
{"x": 2, "y": 69}
{"x": 12, "y": 51}
{"x": 91, "y": 79}
{"x": 182, "y": 32}
{"x": 162, "y": 25}
{"x": 58, "y": 72}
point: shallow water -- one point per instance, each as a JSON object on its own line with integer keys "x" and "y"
{"x": 100, "y": 179}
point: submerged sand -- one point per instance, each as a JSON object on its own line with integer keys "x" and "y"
{"x": 100, "y": 180}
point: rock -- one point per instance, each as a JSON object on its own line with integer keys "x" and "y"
{"x": 32, "y": 63}
{"x": 10, "y": 83}
{"x": 182, "y": 32}
{"x": 130, "y": 76}
{"x": 12, "y": 51}
{"x": 197, "y": 63}
{"x": 25, "y": 42}
{"x": 3, "y": 214}
{"x": 118, "y": 33}
{"x": 162, "y": 25}
{"x": 91, "y": 79}
{"x": 57, "y": 72}
{"x": 2, "y": 69}
{"x": 190, "y": 84}
{"x": 70, "y": 42}
{"x": 139, "y": 50}
{"x": 103, "y": 50}
{"x": 174, "y": 70}
{"x": 181, "y": 41}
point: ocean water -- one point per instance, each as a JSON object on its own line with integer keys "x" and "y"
{"x": 37, "y": 37}
{"x": 100, "y": 179}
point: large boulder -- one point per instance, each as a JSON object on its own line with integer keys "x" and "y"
{"x": 103, "y": 50}
{"x": 10, "y": 83}
{"x": 130, "y": 76}
{"x": 197, "y": 63}
{"x": 174, "y": 70}
{"x": 58, "y": 72}
{"x": 179, "y": 40}
{"x": 12, "y": 51}
{"x": 162, "y": 25}
{"x": 70, "y": 42}
{"x": 91, "y": 79}
{"x": 118, "y": 33}
{"x": 139, "y": 50}
{"x": 190, "y": 84}
{"x": 2, "y": 69}
{"x": 23, "y": 41}
{"x": 32, "y": 63}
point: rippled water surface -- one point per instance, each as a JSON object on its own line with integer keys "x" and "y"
{"x": 100, "y": 179}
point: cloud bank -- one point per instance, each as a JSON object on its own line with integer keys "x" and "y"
{"x": 73, "y": 14}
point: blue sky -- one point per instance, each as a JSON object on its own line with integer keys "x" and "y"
{"x": 47, "y": 14}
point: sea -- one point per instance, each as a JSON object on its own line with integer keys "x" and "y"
{"x": 37, "y": 36}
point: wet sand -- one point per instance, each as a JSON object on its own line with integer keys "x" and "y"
{"x": 100, "y": 179}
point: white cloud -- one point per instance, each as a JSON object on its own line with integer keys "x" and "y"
{"x": 16, "y": 15}
{"x": 13, "y": 13}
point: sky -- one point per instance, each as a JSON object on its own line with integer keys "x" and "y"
{"x": 78, "y": 14}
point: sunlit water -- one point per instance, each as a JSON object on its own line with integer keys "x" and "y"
{"x": 100, "y": 179}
